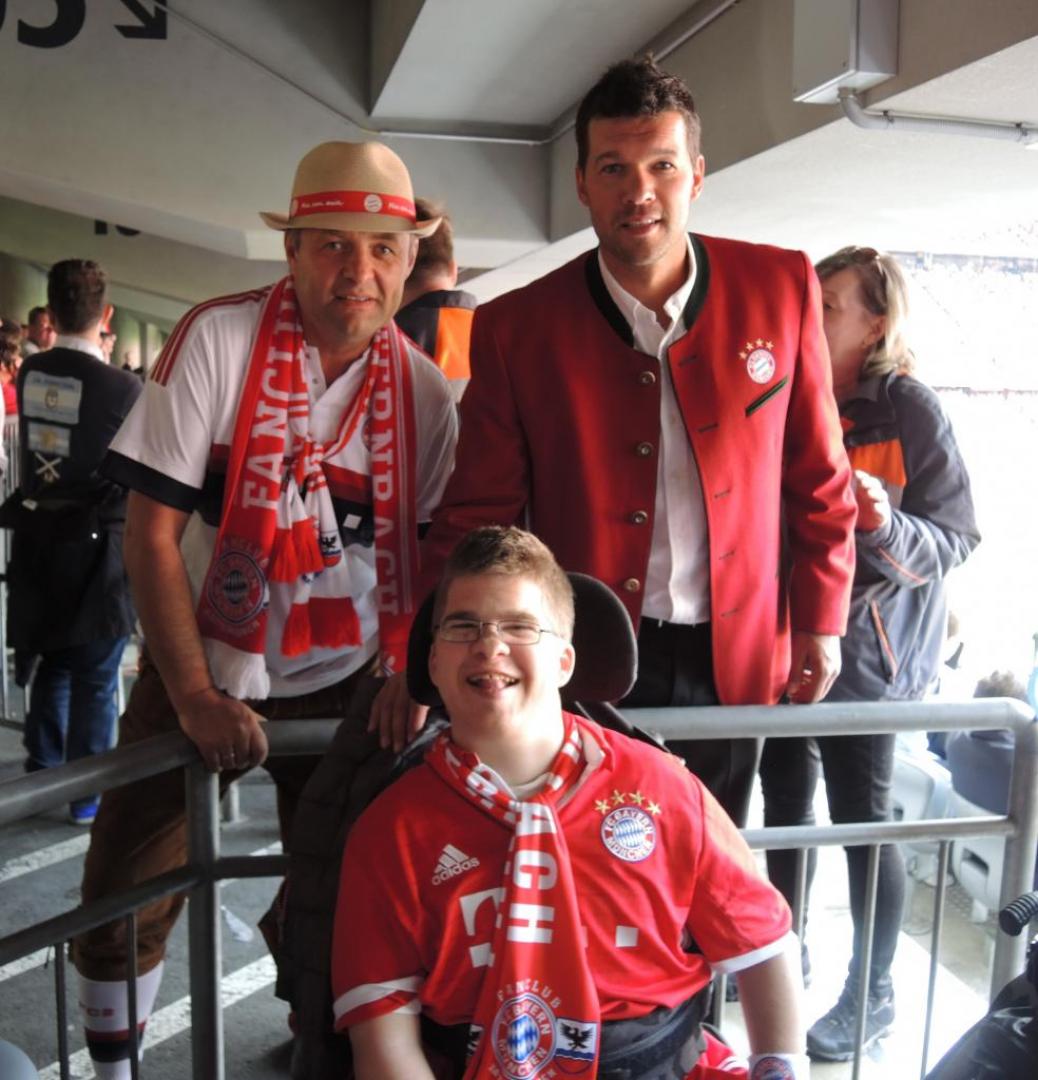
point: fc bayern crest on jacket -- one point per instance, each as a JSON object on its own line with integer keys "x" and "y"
{"x": 760, "y": 360}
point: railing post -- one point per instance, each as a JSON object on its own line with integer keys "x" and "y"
{"x": 203, "y": 815}
{"x": 944, "y": 849}
{"x": 868, "y": 933}
{"x": 1018, "y": 864}
{"x": 61, "y": 990}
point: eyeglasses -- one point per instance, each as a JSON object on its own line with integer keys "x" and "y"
{"x": 510, "y": 631}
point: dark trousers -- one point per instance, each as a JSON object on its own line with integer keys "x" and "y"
{"x": 858, "y": 771}
{"x": 72, "y": 709}
{"x": 675, "y": 667}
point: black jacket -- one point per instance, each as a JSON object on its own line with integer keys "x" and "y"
{"x": 66, "y": 581}
{"x": 896, "y": 430}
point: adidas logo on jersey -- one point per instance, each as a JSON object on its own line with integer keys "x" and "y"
{"x": 451, "y": 863}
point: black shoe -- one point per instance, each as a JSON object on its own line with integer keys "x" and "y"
{"x": 832, "y": 1037}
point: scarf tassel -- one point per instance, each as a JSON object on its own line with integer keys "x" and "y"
{"x": 334, "y": 622}
{"x": 328, "y": 622}
{"x": 295, "y": 552}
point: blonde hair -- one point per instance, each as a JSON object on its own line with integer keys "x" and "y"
{"x": 883, "y": 291}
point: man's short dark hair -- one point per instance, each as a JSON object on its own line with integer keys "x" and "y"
{"x": 76, "y": 294}
{"x": 496, "y": 549}
{"x": 35, "y": 313}
{"x": 436, "y": 252}
{"x": 636, "y": 88}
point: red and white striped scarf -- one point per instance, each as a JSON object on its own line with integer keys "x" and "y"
{"x": 538, "y": 988}
{"x": 278, "y": 528}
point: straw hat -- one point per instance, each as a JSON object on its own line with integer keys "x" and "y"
{"x": 352, "y": 187}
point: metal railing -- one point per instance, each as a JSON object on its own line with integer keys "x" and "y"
{"x": 24, "y": 796}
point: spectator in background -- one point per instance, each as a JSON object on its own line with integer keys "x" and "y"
{"x": 9, "y": 330}
{"x": 915, "y": 524}
{"x": 436, "y": 314}
{"x": 108, "y": 340}
{"x": 69, "y": 597}
{"x": 981, "y": 762}
{"x": 10, "y": 361}
{"x": 128, "y": 365}
{"x": 41, "y": 333}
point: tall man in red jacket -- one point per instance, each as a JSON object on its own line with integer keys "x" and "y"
{"x": 660, "y": 412}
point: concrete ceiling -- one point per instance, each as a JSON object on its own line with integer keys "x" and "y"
{"x": 186, "y": 134}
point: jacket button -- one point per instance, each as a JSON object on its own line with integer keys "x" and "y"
{"x": 644, "y": 449}
{"x": 639, "y": 517}
{"x": 647, "y": 378}
{"x": 632, "y": 584}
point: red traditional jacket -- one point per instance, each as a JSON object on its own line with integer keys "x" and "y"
{"x": 560, "y": 429}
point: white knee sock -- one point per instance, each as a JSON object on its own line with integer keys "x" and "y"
{"x": 103, "y": 1008}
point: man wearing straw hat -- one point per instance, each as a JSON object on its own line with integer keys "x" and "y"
{"x": 288, "y": 444}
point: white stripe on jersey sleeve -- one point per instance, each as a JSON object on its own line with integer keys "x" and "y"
{"x": 733, "y": 964}
{"x": 369, "y": 992}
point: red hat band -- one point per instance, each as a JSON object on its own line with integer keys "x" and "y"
{"x": 351, "y": 202}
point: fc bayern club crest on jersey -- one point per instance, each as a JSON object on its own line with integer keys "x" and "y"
{"x": 237, "y": 587}
{"x": 770, "y": 1067}
{"x": 629, "y": 833}
{"x": 523, "y": 1036}
{"x": 760, "y": 360}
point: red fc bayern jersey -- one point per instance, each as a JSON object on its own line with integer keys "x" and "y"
{"x": 667, "y": 888}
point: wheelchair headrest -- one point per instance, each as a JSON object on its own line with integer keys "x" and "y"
{"x": 607, "y": 652}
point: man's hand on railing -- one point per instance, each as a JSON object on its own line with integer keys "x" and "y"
{"x": 814, "y": 665}
{"x": 395, "y": 717}
{"x": 228, "y": 734}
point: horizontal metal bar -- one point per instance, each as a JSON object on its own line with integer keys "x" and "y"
{"x": 23, "y": 796}
{"x": 106, "y": 910}
{"x": 872, "y": 832}
{"x": 40, "y": 791}
{"x": 839, "y": 718}
{"x": 37, "y": 792}
{"x": 291, "y": 737}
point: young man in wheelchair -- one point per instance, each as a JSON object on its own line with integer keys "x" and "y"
{"x": 543, "y": 897}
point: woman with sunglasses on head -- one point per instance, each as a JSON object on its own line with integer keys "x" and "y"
{"x": 915, "y": 523}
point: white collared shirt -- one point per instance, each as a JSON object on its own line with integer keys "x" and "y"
{"x": 80, "y": 344}
{"x": 677, "y": 585}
